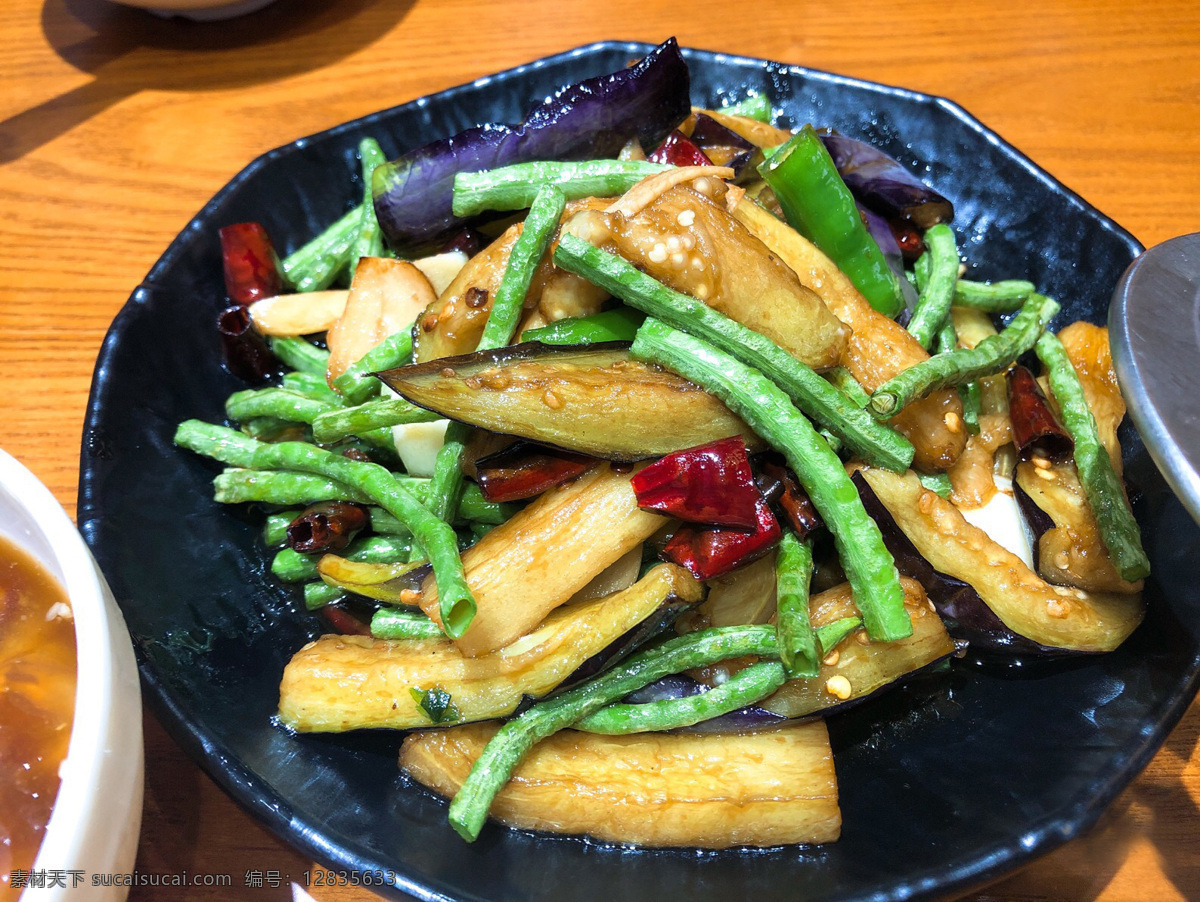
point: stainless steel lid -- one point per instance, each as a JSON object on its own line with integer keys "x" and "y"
{"x": 1154, "y": 326}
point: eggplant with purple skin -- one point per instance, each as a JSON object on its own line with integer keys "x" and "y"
{"x": 589, "y": 120}
{"x": 885, "y": 186}
{"x": 1001, "y": 604}
{"x": 594, "y": 400}
{"x": 340, "y": 683}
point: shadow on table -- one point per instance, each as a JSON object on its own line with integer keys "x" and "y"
{"x": 128, "y": 50}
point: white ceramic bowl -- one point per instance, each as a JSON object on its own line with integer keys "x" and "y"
{"x": 98, "y": 812}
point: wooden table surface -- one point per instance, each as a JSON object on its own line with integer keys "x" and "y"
{"x": 115, "y": 127}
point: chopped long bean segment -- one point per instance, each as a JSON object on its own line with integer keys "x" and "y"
{"x": 797, "y": 640}
{"x": 436, "y": 537}
{"x": 937, "y": 291}
{"x": 336, "y": 424}
{"x": 993, "y": 297}
{"x": 274, "y": 402}
{"x": 301, "y": 355}
{"x": 515, "y": 187}
{"x": 841, "y": 379}
{"x": 814, "y": 395}
{"x": 991, "y": 356}
{"x": 817, "y": 203}
{"x": 512, "y": 742}
{"x": 368, "y": 239}
{"x": 315, "y": 265}
{"x": 275, "y": 527}
{"x": 272, "y": 429}
{"x": 311, "y": 385}
{"x": 746, "y": 687}
{"x": 829, "y": 635}
{"x": 769, "y": 412}
{"x": 1101, "y": 484}
{"x": 318, "y": 594}
{"x": 938, "y": 483}
{"x": 946, "y": 339}
{"x": 756, "y": 106}
{"x": 357, "y": 384}
{"x": 393, "y": 623}
{"x": 240, "y": 485}
{"x": 619, "y": 324}
{"x": 526, "y": 254}
{"x": 293, "y": 567}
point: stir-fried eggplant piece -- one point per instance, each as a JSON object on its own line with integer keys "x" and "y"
{"x": 1027, "y": 606}
{"x": 653, "y": 789}
{"x": 589, "y": 120}
{"x": 885, "y": 186}
{"x": 595, "y": 401}
{"x": 342, "y": 683}
{"x": 877, "y": 349}
{"x": 543, "y": 555}
{"x": 1069, "y": 551}
{"x": 691, "y": 244}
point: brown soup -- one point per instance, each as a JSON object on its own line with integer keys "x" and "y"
{"x": 37, "y": 699}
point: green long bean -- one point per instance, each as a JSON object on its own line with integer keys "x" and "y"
{"x": 769, "y": 412}
{"x": 1101, "y": 484}
{"x": 318, "y": 594}
{"x": 747, "y": 686}
{"x": 797, "y": 639}
{"x": 937, "y": 292}
{"x": 526, "y": 254}
{"x": 990, "y": 356}
{"x": 515, "y": 187}
{"x": 274, "y": 402}
{"x": 829, "y": 407}
{"x": 315, "y": 265}
{"x": 831, "y": 634}
{"x": 394, "y": 623}
{"x": 336, "y": 424}
{"x": 311, "y": 385}
{"x": 1005, "y": 296}
{"x": 512, "y": 742}
{"x": 301, "y": 355}
{"x": 357, "y": 384}
{"x": 437, "y": 538}
{"x": 368, "y": 237}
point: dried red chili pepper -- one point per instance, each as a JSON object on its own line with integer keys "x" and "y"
{"x": 251, "y": 265}
{"x": 706, "y": 553}
{"x": 247, "y": 354}
{"x": 792, "y": 500}
{"x": 678, "y": 150}
{"x": 710, "y": 484}
{"x": 523, "y": 470}
{"x": 1036, "y": 430}
{"x": 326, "y": 526}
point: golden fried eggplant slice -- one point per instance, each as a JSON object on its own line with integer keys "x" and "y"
{"x": 526, "y": 567}
{"x": 1052, "y": 616}
{"x": 342, "y": 683}
{"x": 877, "y": 349}
{"x": 653, "y": 789}
{"x": 598, "y": 400}
{"x": 692, "y": 244}
{"x": 854, "y": 669}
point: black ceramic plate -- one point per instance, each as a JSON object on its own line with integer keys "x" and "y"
{"x": 944, "y": 786}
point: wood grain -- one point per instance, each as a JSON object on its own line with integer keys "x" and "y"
{"x": 115, "y": 127}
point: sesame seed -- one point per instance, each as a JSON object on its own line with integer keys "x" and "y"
{"x": 839, "y": 686}
{"x": 410, "y": 596}
{"x": 448, "y": 372}
{"x": 953, "y": 421}
{"x": 862, "y": 638}
{"x": 1040, "y": 462}
{"x": 686, "y": 217}
{"x": 1056, "y": 609}
{"x": 1045, "y": 474}
{"x": 925, "y": 502}
{"x": 429, "y": 322}
{"x": 550, "y": 399}
{"x": 831, "y": 659}
{"x": 673, "y": 243}
{"x": 678, "y": 257}
{"x": 658, "y": 253}
{"x": 1062, "y": 560}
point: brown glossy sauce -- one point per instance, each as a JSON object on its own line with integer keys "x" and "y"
{"x": 37, "y": 698}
